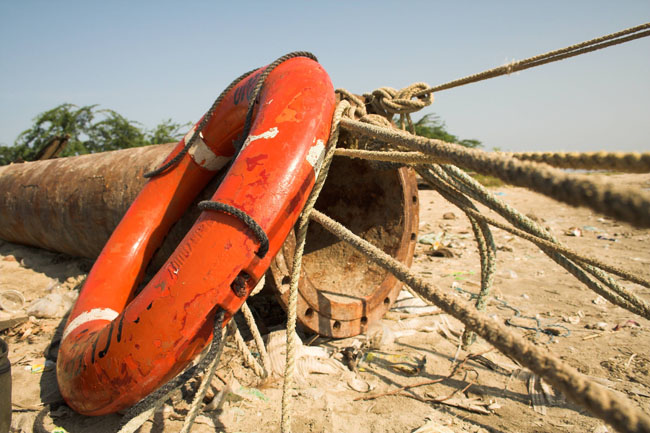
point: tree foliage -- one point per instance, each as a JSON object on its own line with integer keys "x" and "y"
{"x": 90, "y": 130}
{"x": 431, "y": 126}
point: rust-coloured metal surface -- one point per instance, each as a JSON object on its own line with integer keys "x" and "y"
{"x": 72, "y": 205}
{"x": 340, "y": 291}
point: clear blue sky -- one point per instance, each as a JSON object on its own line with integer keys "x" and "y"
{"x": 151, "y": 61}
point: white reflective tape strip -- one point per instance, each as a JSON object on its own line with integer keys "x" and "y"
{"x": 203, "y": 155}
{"x": 265, "y": 135}
{"x": 87, "y": 316}
{"x": 315, "y": 155}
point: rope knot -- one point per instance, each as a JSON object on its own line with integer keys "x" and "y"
{"x": 388, "y": 101}
{"x": 357, "y": 108}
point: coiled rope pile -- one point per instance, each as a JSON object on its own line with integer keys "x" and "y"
{"x": 368, "y": 120}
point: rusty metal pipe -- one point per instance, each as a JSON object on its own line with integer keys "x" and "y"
{"x": 72, "y": 205}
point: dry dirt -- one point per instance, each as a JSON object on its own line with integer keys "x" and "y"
{"x": 601, "y": 340}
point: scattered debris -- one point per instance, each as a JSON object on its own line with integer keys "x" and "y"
{"x": 410, "y": 304}
{"x": 508, "y": 273}
{"x": 405, "y": 364}
{"x": 432, "y": 426}
{"x": 599, "y": 300}
{"x": 573, "y": 231}
{"x": 627, "y": 324}
{"x": 606, "y": 238}
{"x": 11, "y": 301}
{"x": 11, "y": 322}
{"x": 600, "y": 326}
{"x": 441, "y": 252}
{"x": 53, "y": 305}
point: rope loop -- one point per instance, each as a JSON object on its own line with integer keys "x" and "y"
{"x": 243, "y": 217}
{"x": 387, "y": 101}
{"x": 357, "y": 107}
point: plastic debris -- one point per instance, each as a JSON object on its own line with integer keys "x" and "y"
{"x": 309, "y": 359}
{"x": 40, "y": 368}
{"x": 460, "y": 275}
{"x": 11, "y": 301}
{"x": 407, "y": 303}
{"x": 508, "y": 273}
{"x": 359, "y": 385}
{"x": 405, "y": 364}
{"x": 432, "y": 426}
{"x": 53, "y": 305}
{"x": 599, "y": 300}
{"x": 573, "y": 231}
{"x": 627, "y": 324}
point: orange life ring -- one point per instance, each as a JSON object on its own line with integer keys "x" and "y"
{"x": 116, "y": 347}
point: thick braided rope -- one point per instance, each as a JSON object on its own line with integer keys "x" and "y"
{"x": 249, "y": 359}
{"x": 301, "y": 236}
{"x": 391, "y": 156}
{"x": 541, "y": 236}
{"x": 204, "y": 121}
{"x": 564, "y": 250}
{"x": 197, "y": 402}
{"x": 139, "y": 413}
{"x": 551, "y": 56}
{"x": 357, "y": 108}
{"x": 257, "y": 337}
{"x": 618, "y": 161}
{"x": 260, "y": 83}
{"x": 259, "y": 368}
{"x": 482, "y": 234}
{"x": 617, "y": 411}
{"x": 387, "y": 101}
{"x": 471, "y": 187}
{"x": 625, "y": 204}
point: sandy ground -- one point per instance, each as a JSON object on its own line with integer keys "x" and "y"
{"x": 601, "y": 340}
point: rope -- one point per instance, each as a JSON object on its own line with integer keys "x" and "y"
{"x": 249, "y": 114}
{"x": 551, "y": 56}
{"x": 617, "y": 411}
{"x": 301, "y": 236}
{"x": 621, "y": 203}
{"x": 387, "y": 102}
{"x": 260, "y": 369}
{"x": 204, "y": 121}
{"x": 243, "y": 217}
{"x": 138, "y": 414}
{"x": 482, "y": 233}
{"x": 420, "y": 158}
{"x": 391, "y": 156}
{"x": 624, "y": 162}
{"x": 538, "y": 329}
{"x": 564, "y": 250}
{"x": 471, "y": 187}
{"x": 260, "y": 83}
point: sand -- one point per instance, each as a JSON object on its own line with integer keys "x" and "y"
{"x": 414, "y": 348}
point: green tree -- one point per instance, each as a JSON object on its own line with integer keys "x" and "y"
{"x": 431, "y": 126}
{"x": 90, "y": 130}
